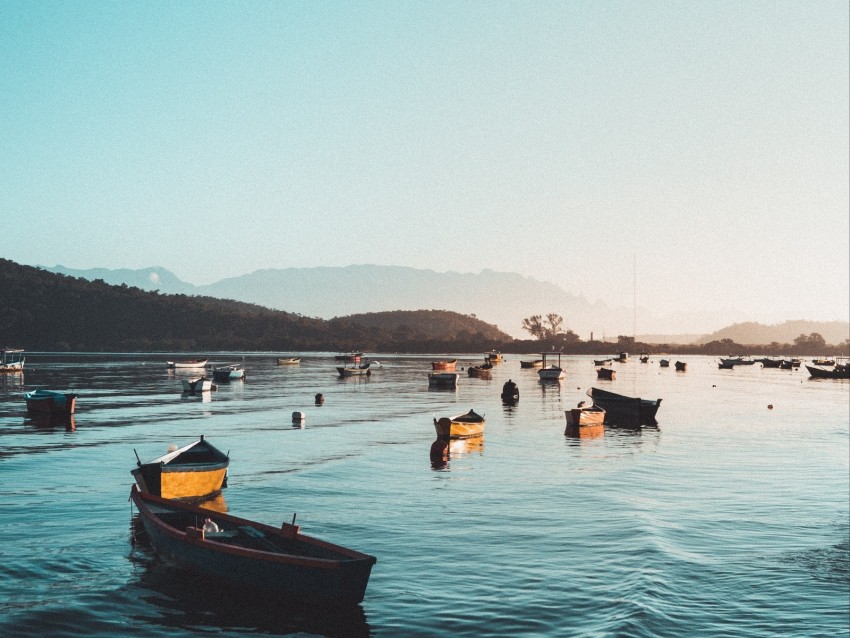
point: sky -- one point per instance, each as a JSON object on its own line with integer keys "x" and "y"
{"x": 690, "y": 155}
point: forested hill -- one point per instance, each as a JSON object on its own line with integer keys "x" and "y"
{"x": 53, "y": 312}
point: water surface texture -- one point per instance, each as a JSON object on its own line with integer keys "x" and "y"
{"x": 728, "y": 519}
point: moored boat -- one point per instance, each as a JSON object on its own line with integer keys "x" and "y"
{"x": 225, "y": 374}
{"x": 461, "y": 426}
{"x": 644, "y": 357}
{"x": 11, "y": 360}
{"x": 443, "y": 379}
{"x": 623, "y": 357}
{"x": 188, "y": 363}
{"x": 288, "y": 361}
{"x": 354, "y": 371}
{"x": 602, "y": 362}
{"x": 664, "y": 363}
{"x": 840, "y": 371}
{"x": 790, "y": 364}
{"x": 510, "y": 392}
{"x": 608, "y": 374}
{"x": 552, "y": 372}
{"x": 737, "y": 361}
{"x": 585, "y": 416}
{"x": 484, "y": 371}
{"x": 623, "y": 410}
{"x": 446, "y": 365}
{"x": 493, "y": 357}
{"x": 196, "y": 470}
{"x": 50, "y": 402}
{"x": 823, "y": 361}
{"x": 681, "y": 366}
{"x": 251, "y": 556}
{"x": 767, "y": 362}
{"x": 537, "y": 363}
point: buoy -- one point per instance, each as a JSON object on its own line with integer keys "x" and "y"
{"x": 769, "y": 406}
{"x": 439, "y": 450}
{"x": 298, "y": 419}
{"x": 320, "y": 399}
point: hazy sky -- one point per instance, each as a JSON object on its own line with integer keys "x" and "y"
{"x": 706, "y": 140}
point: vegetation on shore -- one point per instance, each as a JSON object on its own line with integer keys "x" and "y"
{"x": 52, "y": 312}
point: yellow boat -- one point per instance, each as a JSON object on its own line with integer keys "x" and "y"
{"x": 195, "y": 470}
{"x": 460, "y": 427}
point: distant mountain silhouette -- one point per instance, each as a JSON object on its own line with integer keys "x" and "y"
{"x": 496, "y": 298}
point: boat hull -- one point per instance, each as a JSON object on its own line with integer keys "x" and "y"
{"x": 840, "y": 372}
{"x": 587, "y": 416}
{"x": 444, "y": 366}
{"x": 625, "y": 411}
{"x": 196, "y": 470}
{"x": 195, "y": 363}
{"x": 443, "y": 379}
{"x": 608, "y": 374}
{"x": 460, "y": 427}
{"x": 48, "y": 402}
{"x": 282, "y": 562}
{"x": 552, "y": 373}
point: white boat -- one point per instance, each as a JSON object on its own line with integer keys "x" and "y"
{"x": 11, "y": 361}
{"x": 189, "y": 363}
{"x": 553, "y": 372}
{"x": 233, "y": 372}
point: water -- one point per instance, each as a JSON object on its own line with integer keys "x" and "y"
{"x": 729, "y": 519}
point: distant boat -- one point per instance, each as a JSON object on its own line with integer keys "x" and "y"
{"x": 193, "y": 471}
{"x": 537, "y": 363}
{"x": 354, "y": 371}
{"x": 484, "y": 371}
{"x": 552, "y": 372}
{"x": 349, "y": 357}
{"x": 494, "y": 357}
{"x": 461, "y": 426}
{"x": 623, "y": 357}
{"x": 664, "y": 363}
{"x": 608, "y": 374}
{"x": 681, "y": 366}
{"x": 225, "y": 374}
{"x": 49, "y": 402}
{"x": 644, "y": 358}
{"x": 726, "y": 365}
{"x": 625, "y": 411}
{"x": 770, "y": 363}
{"x": 189, "y": 363}
{"x": 602, "y": 362}
{"x": 443, "y": 379}
{"x": 11, "y": 361}
{"x": 289, "y": 361}
{"x": 821, "y": 361}
{"x": 738, "y": 361}
{"x": 197, "y": 386}
{"x": 447, "y": 365}
{"x": 789, "y": 364}
{"x": 224, "y": 550}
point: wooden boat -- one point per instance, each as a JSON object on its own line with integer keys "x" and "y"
{"x": 602, "y": 362}
{"x": 197, "y": 386}
{"x": 250, "y": 556}
{"x": 226, "y": 374}
{"x": 493, "y": 357}
{"x": 606, "y": 373}
{"x": 443, "y": 379}
{"x": 349, "y": 357}
{"x": 625, "y": 411}
{"x": 552, "y": 372}
{"x": 537, "y": 363}
{"x": 510, "y": 392}
{"x": 738, "y": 361}
{"x": 726, "y": 365}
{"x": 289, "y": 361}
{"x": 484, "y": 371}
{"x": 623, "y": 357}
{"x": 50, "y": 402}
{"x": 447, "y": 365}
{"x": 789, "y": 364}
{"x": 664, "y": 363}
{"x": 769, "y": 363}
{"x": 681, "y": 366}
{"x": 585, "y": 416}
{"x": 838, "y": 372}
{"x": 196, "y": 470}
{"x": 189, "y": 363}
{"x": 821, "y": 361}
{"x": 11, "y": 361}
{"x": 461, "y": 426}
{"x": 644, "y": 358}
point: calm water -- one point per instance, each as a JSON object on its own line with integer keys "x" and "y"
{"x": 729, "y": 519}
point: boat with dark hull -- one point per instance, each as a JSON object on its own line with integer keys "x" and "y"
{"x": 50, "y": 403}
{"x": 606, "y": 374}
{"x": 443, "y": 379}
{"x": 196, "y": 470}
{"x": 225, "y": 550}
{"x": 625, "y": 411}
{"x": 840, "y": 371}
{"x": 681, "y": 366}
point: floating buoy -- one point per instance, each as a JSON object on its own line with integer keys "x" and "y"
{"x": 320, "y": 398}
{"x": 769, "y": 406}
{"x": 439, "y": 451}
{"x": 298, "y": 419}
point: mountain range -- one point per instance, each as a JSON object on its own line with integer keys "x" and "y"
{"x": 498, "y": 298}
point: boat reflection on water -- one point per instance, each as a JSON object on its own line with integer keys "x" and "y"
{"x": 51, "y": 421}
{"x": 181, "y": 603}
{"x": 584, "y": 431}
{"x": 443, "y": 451}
